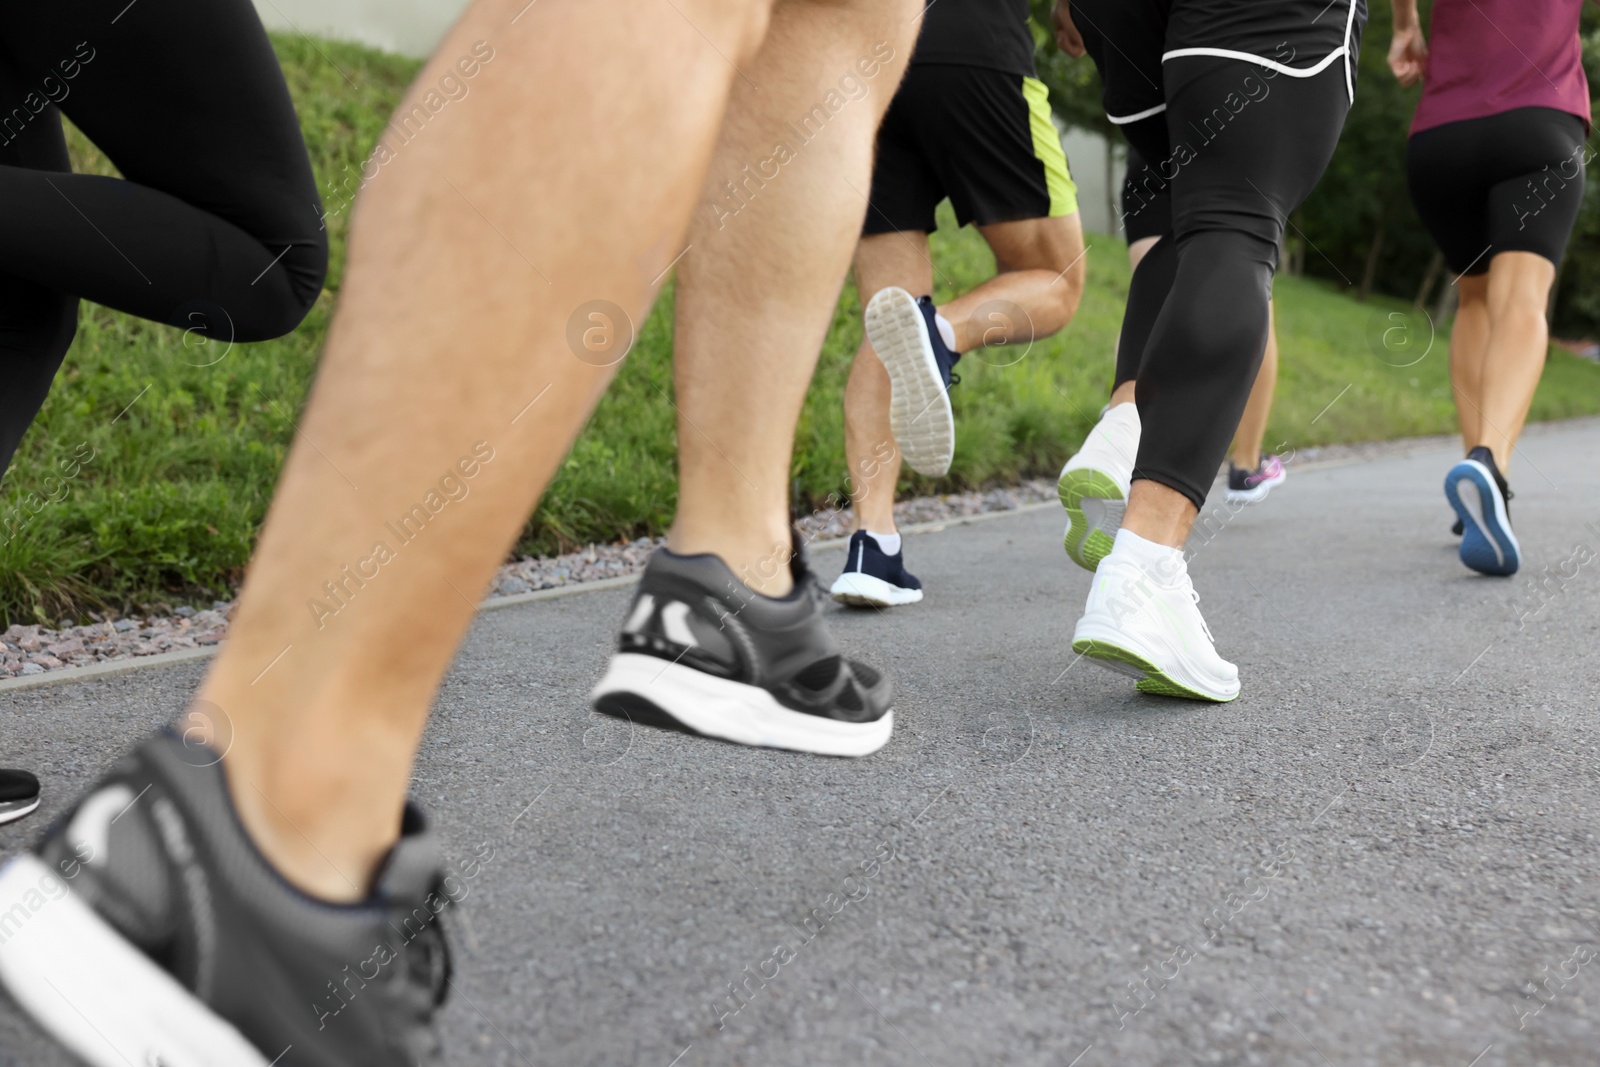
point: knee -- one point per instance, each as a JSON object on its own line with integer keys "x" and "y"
{"x": 304, "y": 268}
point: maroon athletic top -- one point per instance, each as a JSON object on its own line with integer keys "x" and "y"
{"x": 1490, "y": 56}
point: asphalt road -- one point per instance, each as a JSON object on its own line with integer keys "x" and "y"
{"x": 1365, "y": 859}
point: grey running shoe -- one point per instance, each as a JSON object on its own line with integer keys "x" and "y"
{"x": 701, "y": 651}
{"x": 147, "y": 930}
{"x": 19, "y": 794}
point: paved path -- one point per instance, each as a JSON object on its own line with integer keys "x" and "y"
{"x": 1363, "y": 860}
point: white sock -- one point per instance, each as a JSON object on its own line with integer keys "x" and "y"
{"x": 890, "y": 543}
{"x": 1129, "y": 412}
{"x": 947, "y": 332}
{"x": 1162, "y": 562}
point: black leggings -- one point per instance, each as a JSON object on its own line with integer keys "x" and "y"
{"x": 1511, "y": 182}
{"x": 1238, "y": 147}
{"x": 217, "y": 227}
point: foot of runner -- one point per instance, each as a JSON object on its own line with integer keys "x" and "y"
{"x": 149, "y": 930}
{"x": 1094, "y": 485}
{"x": 1252, "y": 486}
{"x": 873, "y": 578}
{"x": 19, "y": 794}
{"x": 1478, "y": 492}
{"x": 904, "y": 332}
{"x": 700, "y": 651}
{"x": 1143, "y": 619}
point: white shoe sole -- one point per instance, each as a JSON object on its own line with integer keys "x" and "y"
{"x": 1165, "y": 672}
{"x": 865, "y": 591}
{"x": 924, "y": 427}
{"x": 733, "y": 711}
{"x": 17, "y": 809}
{"x": 96, "y": 994}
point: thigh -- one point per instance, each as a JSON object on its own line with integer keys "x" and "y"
{"x": 905, "y": 186}
{"x": 184, "y": 98}
{"x": 996, "y": 149}
{"x": 30, "y": 137}
{"x": 1536, "y": 211}
{"x": 1446, "y": 179}
{"x": 1146, "y": 201}
{"x": 1248, "y": 147}
{"x": 1125, "y": 38}
{"x": 1053, "y": 244}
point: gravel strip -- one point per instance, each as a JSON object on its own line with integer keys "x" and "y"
{"x": 27, "y": 650}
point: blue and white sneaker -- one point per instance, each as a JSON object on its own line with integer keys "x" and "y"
{"x": 874, "y": 579}
{"x": 905, "y": 333}
{"x": 1478, "y": 492}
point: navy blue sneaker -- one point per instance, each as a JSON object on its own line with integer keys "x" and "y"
{"x": 874, "y": 579}
{"x": 905, "y": 335}
{"x": 1478, "y": 492}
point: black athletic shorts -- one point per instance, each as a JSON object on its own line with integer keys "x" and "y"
{"x": 984, "y": 138}
{"x": 1131, "y": 40}
{"x": 1511, "y": 182}
{"x": 1146, "y": 200}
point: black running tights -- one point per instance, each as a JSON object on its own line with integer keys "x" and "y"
{"x": 1243, "y": 148}
{"x": 217, "y": 226}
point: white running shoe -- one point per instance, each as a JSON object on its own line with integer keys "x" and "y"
{"x": 1148, "y": 625}
{"x": 1094, "y": 485}
{"x": 904, "y": 333}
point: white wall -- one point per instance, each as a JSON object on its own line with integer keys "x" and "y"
{"x": 1086, "y": 157}
{"x": 410, "y": 27}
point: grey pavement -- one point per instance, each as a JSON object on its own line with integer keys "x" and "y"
{"x": 1366, "y": 859}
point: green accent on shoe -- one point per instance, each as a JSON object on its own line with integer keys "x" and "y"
{"x": 1154, "y": 681}
{"x": 1086, "y": 545}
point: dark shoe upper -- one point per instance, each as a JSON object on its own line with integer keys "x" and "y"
{"x": 695, "y": 611}
{"x": 1243, "y": 479}
{"x": 942, "y": 353}
{"x": 867, "y": 557}
{"x": 1486, "y": 457}
{"x": 17, "y": 786}
{"x": 157, "y": 850}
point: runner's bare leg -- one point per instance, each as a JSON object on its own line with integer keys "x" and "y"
{"x": 1469, "y": 340}
{"x": 1041, "y": 264}
{"x": 758, "y": 288}
{"x": 567, "y": 176}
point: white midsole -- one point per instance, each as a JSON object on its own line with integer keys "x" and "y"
{"x": 733, "y": 711}
{"x": 919, "y": 407}
{"x": 11, "y": 814}
{"x": 98, "y": 995}
{"x": 1174, "y": 662}
{"x": 1259, "y": 493}
{"x": 852, "y": 587}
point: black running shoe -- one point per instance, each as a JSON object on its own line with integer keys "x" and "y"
{"x": 874, "y": 579}
{"x": 146, "y": 930}
{"x": 19, "y": 794}
{"x": 702, "y": 651}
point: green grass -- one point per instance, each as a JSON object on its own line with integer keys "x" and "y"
{"x": 166, "y": 510}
